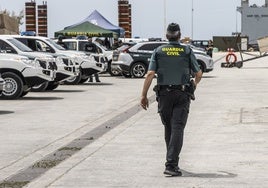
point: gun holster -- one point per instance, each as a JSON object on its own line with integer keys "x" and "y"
{"x": 156, "y": 89}
{"x": 190, "y": 89}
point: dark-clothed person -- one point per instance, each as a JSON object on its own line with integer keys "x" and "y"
{"x": 173, "y": 63}
{"x": 107, "y": 43}
{"x": 92, "y": 48}
{"x": 61, "y": 43}
{"x": 209, "y": 48}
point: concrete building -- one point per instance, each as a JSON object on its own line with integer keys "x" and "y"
{"x": 254, "y": 20}
{"x": 42, "y": 19}
{"x": 124, "y": 17}
{"x": 37, "y": 24}
{"x": 30, "y": 16}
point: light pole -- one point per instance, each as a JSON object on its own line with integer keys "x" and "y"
{"x": 192, "y": 35}
{"x": 165, "y": 16}
{"x": 236, "y": 13}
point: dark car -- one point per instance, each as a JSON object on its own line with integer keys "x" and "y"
{"x": 134, "y": 61}
{"x": 203, "y": 44}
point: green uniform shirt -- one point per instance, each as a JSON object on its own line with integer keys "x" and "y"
{"x": 172, "y": 63}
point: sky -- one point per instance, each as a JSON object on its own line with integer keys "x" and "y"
{"x": 149, "y": 17}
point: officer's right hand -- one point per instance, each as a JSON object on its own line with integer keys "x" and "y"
{"x": 144, "y": 103}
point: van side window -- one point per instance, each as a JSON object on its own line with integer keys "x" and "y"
{"x": 6, "y": 48}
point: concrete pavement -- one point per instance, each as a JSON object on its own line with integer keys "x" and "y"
{"x": 225, "y": 137}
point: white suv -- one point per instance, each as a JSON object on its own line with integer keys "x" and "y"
{"x": 10, "y": 45}
{"x": 21, "y": 74}
{"x": 87, "y": 64}
{"x": 79, "y": 45}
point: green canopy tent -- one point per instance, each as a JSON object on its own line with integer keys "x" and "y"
{"x": 87, "y": 29}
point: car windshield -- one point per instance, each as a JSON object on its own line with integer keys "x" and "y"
{"x": 123, "y": 47}
{"x": 20, "y": 45}
{"x": 101, "y": 46}
{"x": 54, "y": 44}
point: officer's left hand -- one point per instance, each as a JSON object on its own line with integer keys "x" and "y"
{"x": 144, "y": 103}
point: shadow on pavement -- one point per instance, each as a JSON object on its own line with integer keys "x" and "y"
{"x": 96, "y": 84}
{"x": 255, "y": 67}
{"x": 6, "y": 112}
{"x": 66, "y": 91}
{"x": 221, "y": 174}
{"x": 209, "y": 76}
{"x": 41, "y": 98}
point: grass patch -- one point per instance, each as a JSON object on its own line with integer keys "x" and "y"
{"x": 8, "y": 184}
{"x": 70, "y": 148}
{"x": 46, "y": 164}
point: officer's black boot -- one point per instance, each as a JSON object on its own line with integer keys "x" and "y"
{"x": 97, "y": 78}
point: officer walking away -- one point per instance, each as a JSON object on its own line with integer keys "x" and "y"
{"x": 173, "y": 64}
{"x": 92, "y": 48}
{"x": 107, "y": 43}
{"x": 209, "y": 48}
{"x": 61, "y": 43}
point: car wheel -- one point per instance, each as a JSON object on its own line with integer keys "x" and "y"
{"x": 13, "y": 87}
{"x": 138, "y": 70}
{"x": 74, "y": 80}
{"x": 40, "y": 88}
{"x": 52, "y": 85}
{"x": 114, "y": 72}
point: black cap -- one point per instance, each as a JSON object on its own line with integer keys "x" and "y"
{"x": 173, "y": 32}
{"x": 173, "y": 27}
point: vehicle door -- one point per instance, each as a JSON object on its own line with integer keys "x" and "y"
{"x": 6, "y": 48}
{"x": 144, "y": 52}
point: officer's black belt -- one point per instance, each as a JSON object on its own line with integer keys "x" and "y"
{"x": 172, "y": 87}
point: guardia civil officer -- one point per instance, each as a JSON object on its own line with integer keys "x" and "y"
{"x": 172, "y": 63}
{"x": 61, "y": 43}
